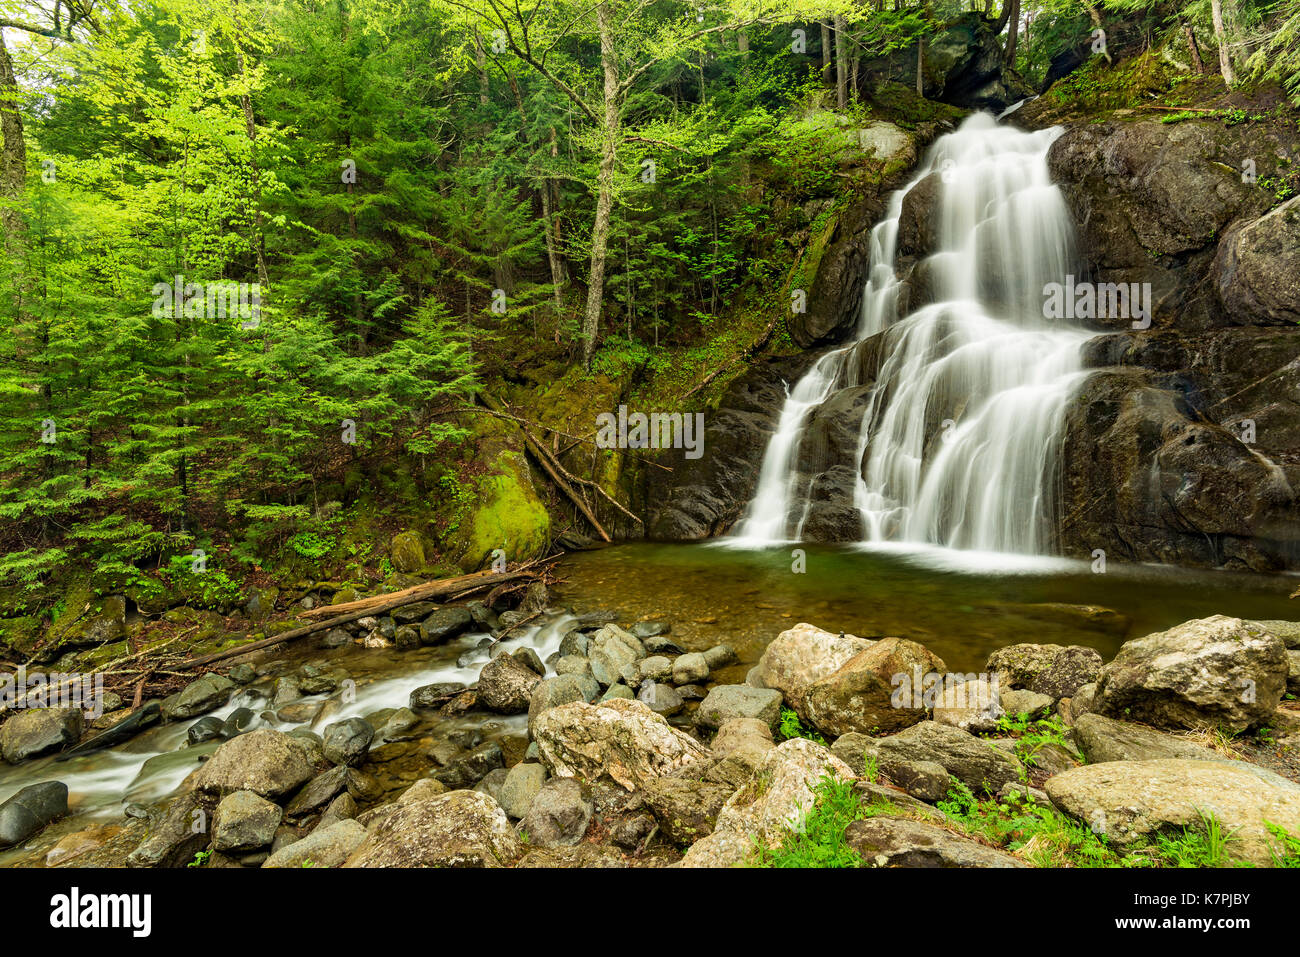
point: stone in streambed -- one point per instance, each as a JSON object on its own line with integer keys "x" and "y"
{"x": 660, "y": 698}
{"x": 429, "y": 697}
{"x": 31, "y": 809}
{"x": 210, "y": 691}
{"x": 505, "y": 685}
{"x": 690, "y": 669}
{"x": 521, "y": 785}
{"x": 558, "y": 814}
{"x": 265, "y": 761}
{"x": 36, "y": 731}
{"x": 623, "y": 740}
{"x": 348, "y": 742}
{"x": 327, "y": 848}
{"x": 445, "y": 624}
{"x": 207, "y": 728}
{"x": 244, "y": 821}
{"x": 458, "y": 829}
{"x": 727, "y": 702}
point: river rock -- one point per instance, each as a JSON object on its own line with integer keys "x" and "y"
{"x": 505, "y": 685}
{"x": 660, "y": 698}
{"x": 244, "y": 821}
{"x": 428, "y": 697}
{"x": 1057, "y": 671}
{"x": 859, "y": 695}
{"x": 1103, "y": 739}
{"x": 559, "y": 814}
{"x": 414, "y": 612}
{"x": 899, "y": 842}
{"x": 739, "y": 747}
{"x": 610, "y": 650}
{"x": 801, "y": 656}
{"x": 266, "y": 762}
{"x": 124, "y": 730}
{"x": 458, "y": 829}
{"x": 780, "y": 793}
{"x": 620, "y": 691}
{"x": 966, "y": 757}
{"x": 580, "y": 856}
{"x": 180, "y": 832}
{"x": 469, "y": 770}
{"x": 207, "y": 728}
{"x": 445, "y": 624}
{"x": 1214, "y": 671}
{"x": 491, "y": 783}
{"x": 662, "y": 645}
{"x": 334, "y": 638}
{"x": 651, "y": 629}
{"x": 1126, "y": 800}
{"x": 33, "y": 807}
{"x": 725, "y": 703}
{"x": 319, "y": 791}
{"x": 690, "y": 668}
{"x": 686, "y": 809}
{"x": 969, "y": 705}
{"x": 32, "y": 732}
{"x": 552, "y": 692}
{"x": 521, "y": 785}
{"x": 1019, "y": 701}
{"x": 348, "y": 742}
{"x": 726, "y": 848}
{"x": 719, "y": 656}
{"x": 1287, "y": 631}
{"x": 623, "y": 740}
{"x": 327, "y": 848}
{"x": 210, "y": 691}
{"x": 923, "y": 780}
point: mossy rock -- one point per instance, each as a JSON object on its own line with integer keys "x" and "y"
{"x": 21, "y": 635}
{"x": 506, "y": 510}
{"x": 407, "y": 551}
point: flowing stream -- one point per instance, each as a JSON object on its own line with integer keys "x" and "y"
{"x": 958, "y": 438}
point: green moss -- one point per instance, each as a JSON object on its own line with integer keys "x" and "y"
{"x": 508, "y": 515}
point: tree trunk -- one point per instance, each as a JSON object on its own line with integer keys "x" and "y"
{"x": 841, "y": 65}
{"x": 13, "y": 163}
{"x": 1221, "y": 38}
{"x": 826, "y": 52}
{"x": 1013, "y": 33}
{"x": 1197, "y": 63}
{"x": 604, "y": 183}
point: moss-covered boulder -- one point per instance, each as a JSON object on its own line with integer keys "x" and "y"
{"x": 407, "y": 551}
{"x": 503, "y": 508}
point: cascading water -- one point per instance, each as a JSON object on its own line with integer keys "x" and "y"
{"x": 958, "y": 439}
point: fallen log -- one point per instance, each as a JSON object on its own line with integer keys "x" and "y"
{"x": 339, "y": 614}
{"x": 428, "y": 591}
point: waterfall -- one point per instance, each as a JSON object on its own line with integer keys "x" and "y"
{"x": 958, "y": 439}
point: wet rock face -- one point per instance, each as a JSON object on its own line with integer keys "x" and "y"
{"x": 705, "y": 496}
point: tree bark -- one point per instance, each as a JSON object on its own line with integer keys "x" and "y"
{"x": 1197, "y": 63}
{"x": 841, "y": 65}
{"x": 827, "y": 49}
{"x": 1221, "y": 38}
{"x": 1013, "y": 34}
{"x": 604, "y": 183}
{"x": 13, "y": 162}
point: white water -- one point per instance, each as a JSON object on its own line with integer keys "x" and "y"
{"x": 152, "y": 765}
{"x": 959, "y": 439}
